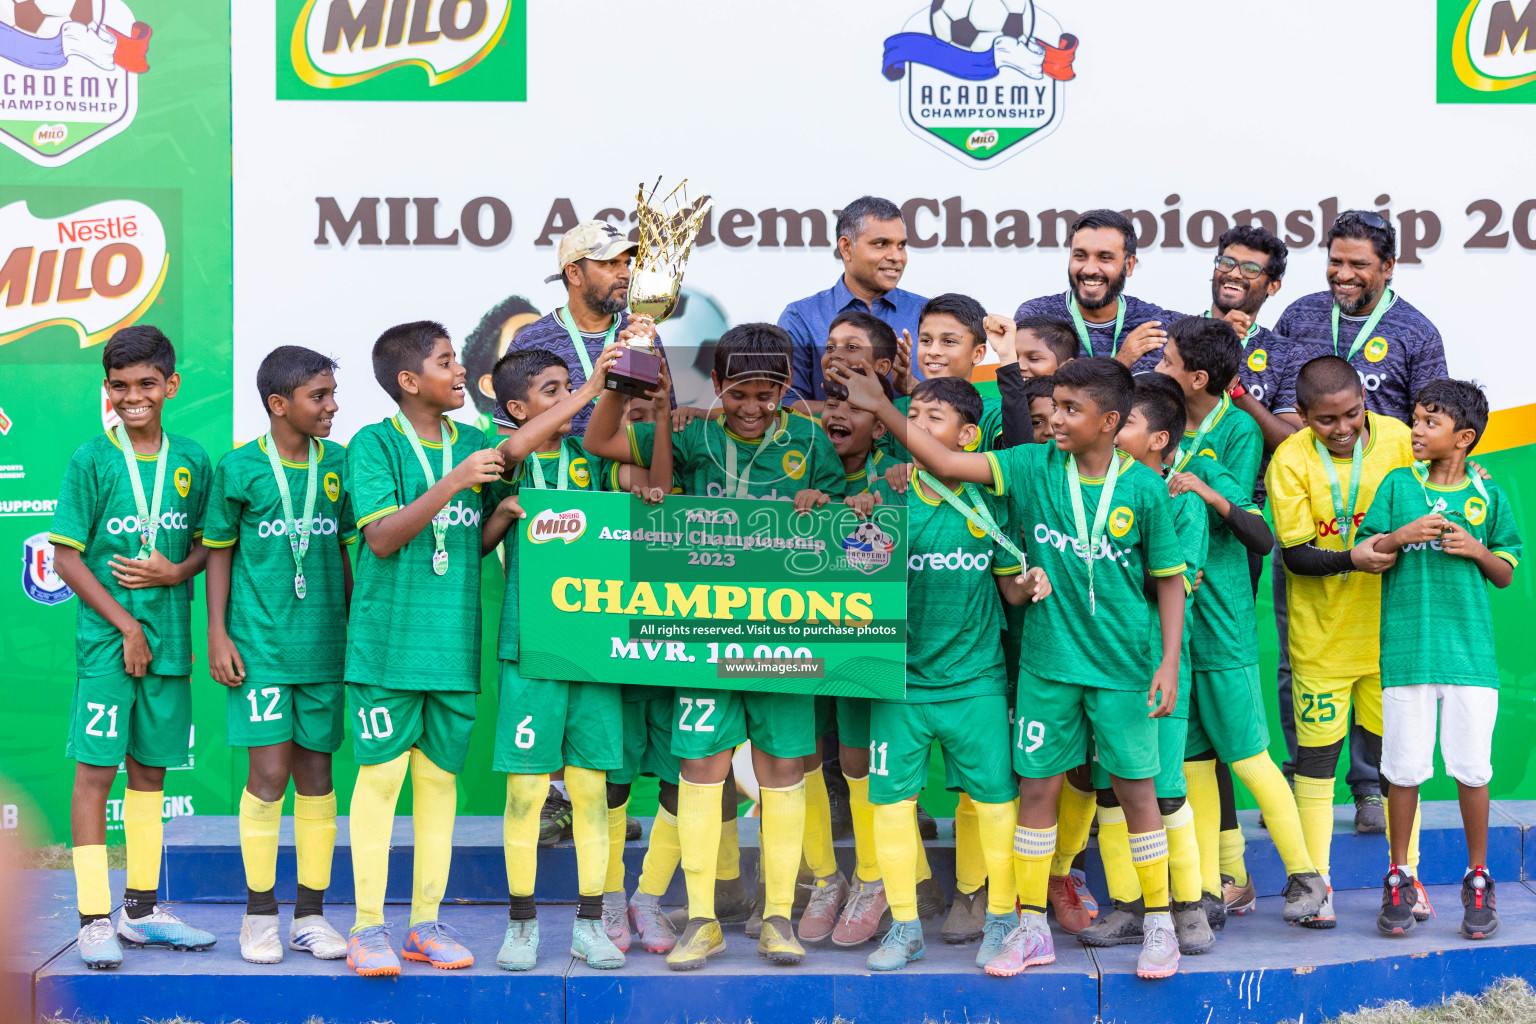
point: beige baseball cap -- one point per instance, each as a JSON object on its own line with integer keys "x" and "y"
{"x": 590, "y": 240}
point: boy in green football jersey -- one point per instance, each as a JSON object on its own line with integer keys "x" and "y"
{"x": 1218, "y": 461}
{"x": 418, "y": 485}
{"x": 755, "y": 450}
{"x": 1151, "y": 436}
{"x": 127, "y": 534}
{"x": 958, "y": 559}
{"x": 544, "y": 725}
{"x": 1454, "y": 533}
{"x": 279, "y": 579}
{"x": 1056, "y": 491}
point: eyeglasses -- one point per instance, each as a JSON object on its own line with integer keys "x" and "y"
{"x": 1370, "y": 218}
{"x": 1251, "y": 271}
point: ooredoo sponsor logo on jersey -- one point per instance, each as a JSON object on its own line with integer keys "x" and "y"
{"x": 130, "y": 524}
{"x": 1045, "y": 534}
{"x": 459, "y": 514}
{"x": 95, "y": 270}
{"x": 318, "y": 527}
{"x": 956, "y": 560}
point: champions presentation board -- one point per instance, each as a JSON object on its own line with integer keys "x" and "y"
{"x": 310, "y": 171}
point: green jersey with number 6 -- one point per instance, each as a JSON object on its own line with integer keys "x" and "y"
{"x": 410, "y": 628}
{"x": 281, "y": 638}
{"x": 98, "y": 515}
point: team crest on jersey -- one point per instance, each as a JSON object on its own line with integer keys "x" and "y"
{"x": 868, "y": 548}
{"x": 1476, "y": 510}
{"x": 794, "y": 464}
{"x": 983, "y": 80}
{"x": 1376, "y": 349}
{"x": 1121, "y": 520}
{"x": 1257, "y": 360}
{"x": 977, "y": 530}
{"x": 332, "y": 486}
{"x": 71, "y": 71}
{"x": 581, "y": 476}
{"x": 183, "y": 480}
{"x": 38, "y": 579}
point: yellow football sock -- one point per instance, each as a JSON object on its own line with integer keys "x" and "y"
{"x": 1413, "y": 842}
{"x": 1183, "y": 855}
{"x": 818, "y": 826}
{"x": 434, "y": 805}
{"x": 1033, "y": 849}
{"x": 728, "y": 861}
{"x": 698, "y": 818}
{"x": 1115, "y": 852}
{"x": 314, "y": 838}
{"x": 144, "y": 831}
{"x": 970, "y": 862}
{"x": 661, "y": 855}
{"x": 520, "y": 830}
{"x": 1314, "y": 810}
{"x": 780, "y": 842}
{"x": 589, "y": 827}
{"x": 1074, "y": 820}
{"x": 867, "y": 867}
{"x": 1234, "y": 846}
{"x": 1204, "y": 799}
{"x": 1149, "y": 852}
{"x": 996, "y": 824}
{"x": 896, "y": 847}
{"x": 258, "y": 840}
{"x": 92, "y": 895}
{"x": 618, "y": 821}
{"x": 372, "y": 816}
{"x": 1281, "y": 814}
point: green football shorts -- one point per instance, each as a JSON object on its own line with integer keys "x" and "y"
{"x": 1171, "y": 733}
{"x": 853, "y": 721}
{"x": 647, "y": 736}
{"x": 1052, "y": 722}
{"x": 1227, "y": 714}
{"x": 116, "y": 715}
{"x": 386, "y": 723}
{"x": 310, "y": 714}
{"x": 705, "y": 722}
{"x": 972, "y": 731}
{"x": 542, "y": 725}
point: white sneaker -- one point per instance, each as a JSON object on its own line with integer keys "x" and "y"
{"x": 314, "y": 934}
{"x": 259, "y": 941}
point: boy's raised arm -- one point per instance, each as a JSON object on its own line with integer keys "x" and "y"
{"x": 536, "y": 432}
{"x": 605, "y": 436}
{"x": 864, "y": 393}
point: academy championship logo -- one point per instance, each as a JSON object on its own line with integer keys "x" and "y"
{"x": 1487, "y": 51}
{"x": 868, "y": 548}
{"x": 94, "y": 270}
{"x": 409, "y": 49}
{"x": 981, "y": 79}
{"x": 38, "y": 579}
{"x": 551, "y": 525}
{"x": 69, "y": 75}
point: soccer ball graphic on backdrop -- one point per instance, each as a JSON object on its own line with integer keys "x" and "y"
{"x": 976, "y": 24}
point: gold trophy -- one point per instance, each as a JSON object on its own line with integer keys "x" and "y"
{"x": 667, "y": 231}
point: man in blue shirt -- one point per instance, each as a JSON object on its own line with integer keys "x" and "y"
{"x": 872, "y": 243}
{"x": 1108, "y": 322}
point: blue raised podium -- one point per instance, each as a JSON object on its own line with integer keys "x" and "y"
{"x": 1261, "y": 969}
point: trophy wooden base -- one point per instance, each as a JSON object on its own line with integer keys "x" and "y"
{"x": 635, "y": 373}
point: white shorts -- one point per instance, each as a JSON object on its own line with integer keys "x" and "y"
{"x": 1467, "y": 714}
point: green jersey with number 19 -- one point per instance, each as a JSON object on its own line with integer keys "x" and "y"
{"x": 281, "y": 638}
{"x": 410, "y": 628}
{"x": 1065, "y": 639}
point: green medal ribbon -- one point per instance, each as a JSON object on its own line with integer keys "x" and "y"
{"x": 537, "y": 471}
{"x": 1181, "y": 457}
{"x": 1088, "y": 541}
{"x": 563, "y": 315}
{"x": 1082, "y": 328}
{"x": 736, "y": 487}
{"x": 149, "y": 515}
{"x": 1421, "y": 474}
{"x": 439, "y": 521}
{"x": 297, "y": 531}
{"x": 1344, "y": 513}
{"x": 977, "y": 513}
{"x": 1365, "y": 331}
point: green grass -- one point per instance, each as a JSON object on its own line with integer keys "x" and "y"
{"x": 1507, "y": 1001}
{"x": 58, "y": 856}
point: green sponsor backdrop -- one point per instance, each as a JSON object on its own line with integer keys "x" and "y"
{"x": 174, "y": 158}
{"x": 613, "y": 590}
